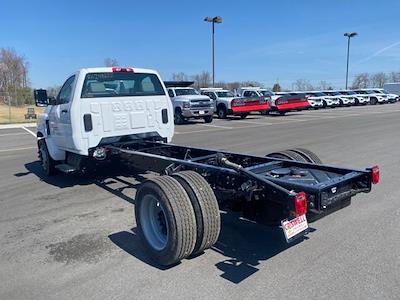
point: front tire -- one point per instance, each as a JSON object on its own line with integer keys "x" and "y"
{"x": 48, "y": 164}
{"x": 165, "y": 220}
{"x": 178, "y": 117}
{"x": 208, "y": 119}
{"x": 222, "y": 112}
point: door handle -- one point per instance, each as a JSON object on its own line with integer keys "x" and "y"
{"x": 64, "y": 111}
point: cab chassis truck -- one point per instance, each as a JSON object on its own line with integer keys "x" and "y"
{"x": 177, "y": 213}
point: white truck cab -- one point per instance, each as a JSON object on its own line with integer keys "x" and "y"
{"x": 188, "y": 102}
{"x": 96, "y": 106}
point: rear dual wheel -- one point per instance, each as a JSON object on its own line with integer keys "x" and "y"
{"x": 176, "y": 216}
{"x": 297, "y": 154}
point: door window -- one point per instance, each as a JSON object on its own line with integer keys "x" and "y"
{"x": 65, "y": 94}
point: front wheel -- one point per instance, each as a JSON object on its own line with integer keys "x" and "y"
{"x": 221, "y": 112}
{"x": 48, "y": 164}
{"x": 208, "y": 119}
{"x": 178, "y": 117}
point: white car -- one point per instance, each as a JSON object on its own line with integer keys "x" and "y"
{"x": 344, "y": 100}
{"x": 359, "y": 99}
{"x": 392, "y": 98}
{"x": 373, "y": 97}
{"x": 327, "y": 101}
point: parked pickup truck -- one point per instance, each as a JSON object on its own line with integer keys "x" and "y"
{"x": 280, "y": 103}
{"x": 227, "y": 104}
{"x": 124, "y": 117}
{"x": 188, "y": 102}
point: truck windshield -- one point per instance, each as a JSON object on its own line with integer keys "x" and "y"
{"x": 266, "y": 93}
{"x": 184, "y": 92}
{"x": 225, "y": 94}
{"x": 121, "y": 84}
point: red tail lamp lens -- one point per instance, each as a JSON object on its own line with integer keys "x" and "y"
{"x": 375, "y": 174}
{"x": 300, "y": 204}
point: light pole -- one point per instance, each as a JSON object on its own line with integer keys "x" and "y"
{"x": 349, "y": 35}
{"x": 213, "y": 20}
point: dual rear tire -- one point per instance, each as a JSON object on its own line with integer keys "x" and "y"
{"x": 297, "y": 154}
{"x": 177, "y": 216}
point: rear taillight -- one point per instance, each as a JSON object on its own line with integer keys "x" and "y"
{"x": 375, "y": 174}
{"x": 118, "y": 70}
{"x": 300, "y": 204}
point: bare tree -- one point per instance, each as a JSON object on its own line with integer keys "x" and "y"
{"x": 276, "y": 88}
{"x": 393, "y": 77}
{"x": 202, "y": 80}
{"x": 180, "y": 76}
{"x": 13, "y": 70}
{"x": 302, "y": 85}
{"x": 361, "y": 81}
{"x": 52, "y": 91}
{"x": 323, "y": 85}
{"x": 378, "y": 79}
{"x": 110, "y": 62}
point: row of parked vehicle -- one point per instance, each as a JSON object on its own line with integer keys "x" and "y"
{"x": 204, "y": 104}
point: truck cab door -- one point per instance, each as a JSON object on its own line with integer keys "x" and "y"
{"x": 60, "y": 116}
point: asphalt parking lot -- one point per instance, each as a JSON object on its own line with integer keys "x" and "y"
{"x": 68, "y": 237}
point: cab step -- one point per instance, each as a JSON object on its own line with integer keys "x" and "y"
{"x": 66, "y": 168}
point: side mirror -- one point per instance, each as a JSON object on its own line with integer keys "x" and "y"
{"x": 40, "y": 97}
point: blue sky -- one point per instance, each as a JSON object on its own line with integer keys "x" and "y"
{"x": 267, "y": 41}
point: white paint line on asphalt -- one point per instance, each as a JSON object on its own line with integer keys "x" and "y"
{"x": 250, "y": 122}
{"x": 216, "y": 126}
{"x": 199, "y": 131}
{"x": 16, "y": 149}
{"x": 30, "y": 131}
{"x": 17, "y": 133}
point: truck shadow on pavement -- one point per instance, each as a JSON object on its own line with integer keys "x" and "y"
{"x": 247, "y": 244}
{"x": 244, "y": 244}
{"x": 104, "y": 178}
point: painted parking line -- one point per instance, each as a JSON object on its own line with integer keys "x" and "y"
{"x": 16, "y": 149}
{"x": 11, "y": 134}
{"x": 216, "y": 126}
{"x": 29, "y": 131}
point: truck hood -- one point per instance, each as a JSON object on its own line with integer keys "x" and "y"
{"x": 192, "y": 97}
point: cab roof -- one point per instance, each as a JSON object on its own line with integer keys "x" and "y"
{"x": 117, "y": 70}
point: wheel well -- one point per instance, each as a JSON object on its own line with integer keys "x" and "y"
{"x": 221, "y": 105}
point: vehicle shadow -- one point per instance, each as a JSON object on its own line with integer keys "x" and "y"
{"x": 131, "y": 244}
{"x": 104, "y": 177}
{"x": 246, "y": 244}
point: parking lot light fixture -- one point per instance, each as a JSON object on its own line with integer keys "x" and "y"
{"x": 213, "y": 20}
{"x": 349, "y": 35}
